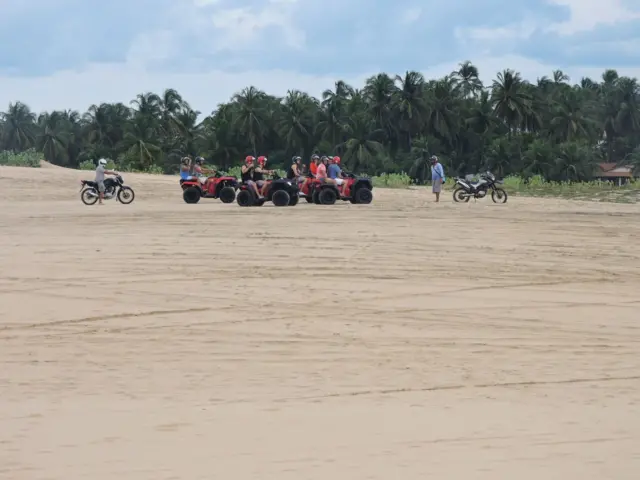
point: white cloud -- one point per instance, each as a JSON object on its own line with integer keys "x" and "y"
{"x": 587, "y": 14}
{"x": 241, "y": 28}
{"x": 98, "y": 83}
{"x": 411, "y": 15}
{"x": 204, "y": 91}
{"x": 516, "y": 31}
{"x": 153, "y": 46}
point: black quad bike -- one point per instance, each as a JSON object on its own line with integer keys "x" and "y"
{"x": 466, "y": 189}
{"x": 114, "y": 187}
{"x": 282, "y": 192}
{"x": 358, "y": 190}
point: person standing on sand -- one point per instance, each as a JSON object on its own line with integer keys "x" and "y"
{"x": 437, "y": 176}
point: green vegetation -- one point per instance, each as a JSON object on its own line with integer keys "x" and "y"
{"x": 549, "y": 128}
{"x": 537, "y": 186}
{"x": 27, "y": 158}
{"x": 391, "y": 180}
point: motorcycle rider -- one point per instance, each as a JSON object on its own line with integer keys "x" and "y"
{"x": 258, "y": 174}
{"x": 101, "y": 171}
{"x": 246, "y": 175}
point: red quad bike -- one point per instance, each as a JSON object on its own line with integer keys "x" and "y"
{"x": 309, "y": 187}
{"x": 358, "y": 190}
{"x": 281, "y": 191}
{"x": 216, "y": 186}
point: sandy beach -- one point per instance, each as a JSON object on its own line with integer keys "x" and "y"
{"x": 403, "y": 339}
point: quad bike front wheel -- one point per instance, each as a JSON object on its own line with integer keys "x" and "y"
{"x": 126, "y": 195}
{"x": 293, "y": 201}
{"x": 498, "y": 195}
{"x": 227, "y": 195}
{"x": 191, "y": 195}
{"x": 459, "y": 195}
{"x": 280, "y": 198}
{"x": 363, "y": 195}
{"x": 328, "y": 196}
{"x": 89, "y": 196}
{"x": 244, "y": 198}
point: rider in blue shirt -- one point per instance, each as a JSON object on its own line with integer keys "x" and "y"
{"x": 334, "y": 172}
{"x": 185, "y": 169}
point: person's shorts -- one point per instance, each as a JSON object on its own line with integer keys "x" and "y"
{"x": 101, "y": 187}
{"x": 339, "y": 181}
{"x": 437, "y": 186}
{"x": 260, "y": 183}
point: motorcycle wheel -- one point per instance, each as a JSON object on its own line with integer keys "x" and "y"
{"x": 498, "y": 195}
{"x": 126, "y": 195}
{"x": 89, "y": 196}
{"x": 459, "y": 195}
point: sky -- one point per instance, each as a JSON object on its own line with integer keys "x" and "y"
{"x": 69, "y": 54}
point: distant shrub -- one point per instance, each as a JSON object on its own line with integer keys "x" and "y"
{"x": 391, "y": 180}
{"x": 28, "y": 158}
{"x": 537, "y": 186}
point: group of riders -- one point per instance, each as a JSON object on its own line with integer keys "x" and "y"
{"x": 323, "y": 168}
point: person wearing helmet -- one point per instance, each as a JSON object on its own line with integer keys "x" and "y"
{"x": 295, "y": 170}
{"x": 246, "y": 174}
{"x": 335, "y": 174}
{"x": 313, "y": 166}
{"x": 321, "y": 172}
{"x": 201, "y": 172}
{"x": 259, "y": 172}
{"x": 101, "y": 171}
{"x": 437, "y": 176}
{"x": 185, "y": 168}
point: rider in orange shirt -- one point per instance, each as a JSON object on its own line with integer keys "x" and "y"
{"x": 313, "y": 166}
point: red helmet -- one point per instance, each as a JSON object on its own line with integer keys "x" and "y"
{"x": 262, "y": 160}
{"x": 249, "y": 159}
{"x": 336, "y": 160}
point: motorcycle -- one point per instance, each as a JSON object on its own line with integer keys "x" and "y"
{"x": 114, "y": 187}
{"x": 466, "y": 189}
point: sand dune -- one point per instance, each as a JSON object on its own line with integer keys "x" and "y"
{"x": 400, "y": 340}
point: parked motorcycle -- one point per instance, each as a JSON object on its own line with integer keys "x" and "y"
{"x": 487, "y": 181}
{"x": 114, "y": 187}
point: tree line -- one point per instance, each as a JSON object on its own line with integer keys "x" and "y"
{"x": 391, "y": 124}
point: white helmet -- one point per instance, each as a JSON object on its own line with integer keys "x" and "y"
{"x": 102, "y": 162}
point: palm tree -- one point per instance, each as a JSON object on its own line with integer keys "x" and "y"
{"x": 139, "y": 142}
{"x": 53, "y": 137}
{"x": 571, "y": 120}
{"x": 18, "y": 127}
{"x": 362, "y": 146}
{"x": 409, "y": 103}
{"x": 378, "y": 92}
{"x": 251, "y": 116}
{"x": 295, "y": 122}
{"x": 511, "y": 102}
{"x": 388, "y": 125}
{"x": 468, "y": 78}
